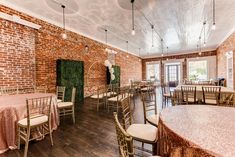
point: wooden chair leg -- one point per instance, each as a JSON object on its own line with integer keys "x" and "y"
{"x": 18, "y": 142}
{"x": 27, "y": 143}
{"x": 50, "y": 131}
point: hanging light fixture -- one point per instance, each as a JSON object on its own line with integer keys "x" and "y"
{"x": 204, "y": 43}
{"x": 152, "y": 26}
{"x": 106, "y": 39}
{"x": 200, "y": 46}
{"x": 213, "y": 25}
{"x": 133, "y": 18}
{"x": 139, "y": 55}
{"x": 162, "y": 47}
{"x": 64, "y": 35}
{"x": 127, "y": 48}
{"x": 167, "y": 53}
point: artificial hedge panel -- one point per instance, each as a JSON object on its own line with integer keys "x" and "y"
{"x": 70, "y": 74}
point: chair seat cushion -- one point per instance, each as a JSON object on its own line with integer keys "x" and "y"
{"x": 153, "y": 119}
{"x": 144, "y": 89}
{"x": 108, "y": 94}
{"x": 96, "y": 96}
{"x": 118, "y": 98}
{"x": 211, "y": 101}
{"x": 64, "y": 104}
{"x": 145, "y": 132}
{"x": 59, "y": 100}
{"x": 167, "y": 95}
{"x": 34, "y": 120}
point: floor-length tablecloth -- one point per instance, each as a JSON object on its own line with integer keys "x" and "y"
{"x": 12, "y": 109}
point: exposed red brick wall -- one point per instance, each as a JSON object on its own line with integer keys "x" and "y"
{"x": 182, "y": 56}
{"x": 49, "y": 46}
{"x": 226, "y": 46}
{"x": 17, "y": 55}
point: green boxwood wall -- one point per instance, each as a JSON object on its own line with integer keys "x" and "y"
{"x": 70, "y": 74}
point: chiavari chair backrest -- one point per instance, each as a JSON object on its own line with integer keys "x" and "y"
{"x": 176, "y": 98}
{"x": 212, "y": 93}
{"x": 26, "y": 90}
{"x": 149, "y": 104}
{"x": 230, "y": 101}
{"x": 60, "y": 92}
{"x": 165, "y": 88}
{"x": 41, "y": 89}
{"x": 9, "y": 91}
{"x": 126, "y": 112}
{"x": 125, "y": 141}
{"x": 188, "y": 92}
{"x": 38, "y": 107}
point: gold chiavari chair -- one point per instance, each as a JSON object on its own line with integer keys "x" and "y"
{"x": 125, "y": 141}
{"x": 230, "y": 100}
{"x": 189, "y": 94}
{"x": 67, "y": 108}
{"x": 176, "y": 98}
{"x": 150, "y": 108}
{"x": 38, "y": 119}
{"x": 144, "y": 133}
{"x": 9, "y": 91}
{"x": 211, "y": 95}
{"x": 115, "y": 101}
{"x": 166, "y": 95}
{"x": 41, "y": 89}
{"x": 60, "y": 92}
{"x": 98, "y": 98}
{"x": 26, "y": 90}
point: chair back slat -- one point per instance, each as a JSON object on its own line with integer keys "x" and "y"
{"x": 126, "y": 112}
{"x": 188, "y": 92}
{"x": 60, "y": 92}
{"x": 9, "y": 91}
{"x": 211, "y": 93}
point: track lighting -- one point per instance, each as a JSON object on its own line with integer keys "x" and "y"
{"x": 152, "y": 35}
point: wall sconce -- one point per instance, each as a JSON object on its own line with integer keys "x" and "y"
{"x": 86, "y": 49}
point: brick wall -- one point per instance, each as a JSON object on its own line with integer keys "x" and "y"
{"x": 226, "y": 46}
{"x": 17, "y": 55}
{"x": 182, "y": 56}
{"x": 49, "y": 46}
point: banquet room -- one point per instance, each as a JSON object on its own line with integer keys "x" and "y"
{"x": 117, "y": 78}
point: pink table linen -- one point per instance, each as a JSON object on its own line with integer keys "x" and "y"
{"x": 210, "y": 129}
{"x": 13, "y": 109}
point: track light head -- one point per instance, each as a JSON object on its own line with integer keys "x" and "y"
{"x": 213, "y": 26}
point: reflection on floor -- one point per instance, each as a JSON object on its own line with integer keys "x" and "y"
{"x": 93, "y": 135}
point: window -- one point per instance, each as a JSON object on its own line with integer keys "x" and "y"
{"x": 197, "y": 70}
{"x": 152, "y": 72}
{"x": 172, "y": 72}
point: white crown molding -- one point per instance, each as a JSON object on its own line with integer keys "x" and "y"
{"x": 17, "y": 19}
{"x": 30, "y": 13}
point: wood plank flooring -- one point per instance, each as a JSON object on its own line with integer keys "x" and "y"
{"x": 93, "y": 135}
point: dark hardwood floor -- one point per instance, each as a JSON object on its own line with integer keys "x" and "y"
{"x": 93, "y": 135}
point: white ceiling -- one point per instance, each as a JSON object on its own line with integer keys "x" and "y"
{"x": 178, "y": 22}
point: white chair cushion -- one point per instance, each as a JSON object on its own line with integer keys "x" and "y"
{"x": 115, "y": 98}
{"x": 108, "y": 94}
{"x": 144, "y": 89}
{"x": 153, "y": 119}
{"x": 145, "y": 132}
{"x": 97, "y": 96}
{"x": 59, "y": 100}
{"x": 64, "y": 104}
{"x": 211, "y": 101}
{"x": 35, "y": 120}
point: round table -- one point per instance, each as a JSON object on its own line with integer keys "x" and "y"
{"x": 207, "y": 130}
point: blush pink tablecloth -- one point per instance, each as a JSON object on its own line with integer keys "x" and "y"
{"x": 12, "y": 109}
{"x": 210, "y": 129}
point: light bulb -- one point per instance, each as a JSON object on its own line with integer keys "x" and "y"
{"x": 133, "y": 32}
{"x": 200, "y": 53}
{"x": 127, "y": 56}
{"x": 106, "y": 49}
{"x": 64, "y": 35}
{"x": 213, "y": 26}
{"x": 140, "y": 60}
{"x": 162, "y": 54}
{"x": 204, "y": 44}
{"x": 167, "y": 59}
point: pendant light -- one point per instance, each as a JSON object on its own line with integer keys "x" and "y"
{"x": 139, "y": 55}
{"x": 152, "y": 26}
{"x": 162, "y": 47}
{"x": 133, "y": 17}
{"x": 204, "y": 43}
{"x": 213, "y": 25}
{"x": 106, "y": 39}
{"x": 200, "y": 46}
{"x": 167, "y": 53}
{"x": 64, "y": 35}
{"x": 127, "y": 48}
